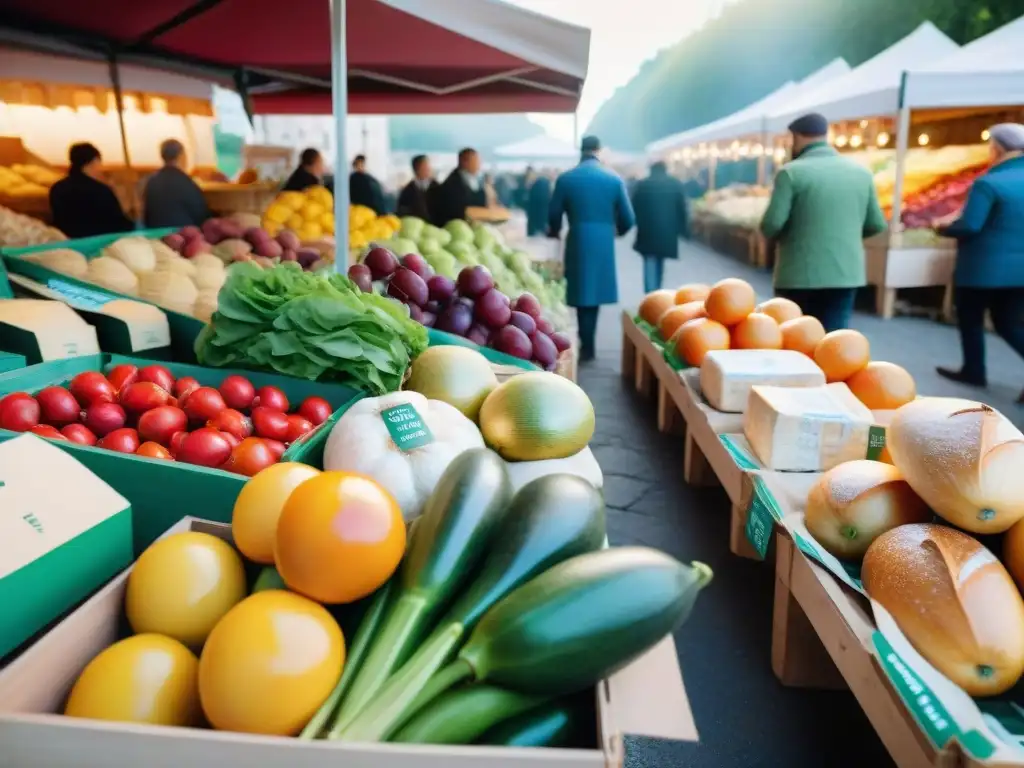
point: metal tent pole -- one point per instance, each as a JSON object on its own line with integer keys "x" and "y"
{"x": 115, "y": 81}
{"x": 339, "y": 94}
{"x": 902, "y": 145}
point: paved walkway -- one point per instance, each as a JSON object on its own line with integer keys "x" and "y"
{"x": 745, "y": 718}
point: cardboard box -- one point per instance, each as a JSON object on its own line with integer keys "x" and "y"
{"x": 123, "y": 326}
{"x": 647, "y": 698}
{"x": 63, "y": 533}
{"x": 143, "y": 481}
{"x": 41, "y": 331}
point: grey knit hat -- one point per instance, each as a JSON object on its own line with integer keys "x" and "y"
{"x": 1009, "y": 136}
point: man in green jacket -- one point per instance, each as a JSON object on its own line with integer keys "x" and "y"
{"x": 822, "y": 208}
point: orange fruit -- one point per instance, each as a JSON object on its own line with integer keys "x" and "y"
{"x": 780, "y": 309}
{"x": 696, "y": 338}
{"x": 730, "y": 301}
{"x": 756, "y": 331}
{"x": 802, "y": 334}
{"x": 841, "y": 354}
{"x": 692, "y": 292}
{"x": 339, "y": 538}
{"x": 655, "y": 304}
{"x": 673, "y": 318}
{"x": 883, "y": 386}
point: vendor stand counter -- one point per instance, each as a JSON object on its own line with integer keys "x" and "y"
{"x": 892, "y": 262}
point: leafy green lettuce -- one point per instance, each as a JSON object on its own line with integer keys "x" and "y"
{"x": 310, "y": 326}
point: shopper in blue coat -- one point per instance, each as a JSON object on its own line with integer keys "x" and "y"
{"x": 989, "y": 273}
{"x": 538, "y": 203}
{"x": 595, "y": 201}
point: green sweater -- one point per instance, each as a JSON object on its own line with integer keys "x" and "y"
{"x": 822, "y": 208}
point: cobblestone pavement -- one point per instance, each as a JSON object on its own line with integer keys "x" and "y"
{"x": 745, "y": 718}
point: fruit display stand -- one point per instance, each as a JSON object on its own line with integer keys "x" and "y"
{"x": 226, "y": 198}
{"x": 134, "y": 477}
{"x": 894, "y": 261}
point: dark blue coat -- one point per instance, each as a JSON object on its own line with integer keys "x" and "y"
{"x": 660, "y": 205}
{"x": 595, "y": 201}
{"x": 538, "y": 203}
{"x": 990, "y": 231}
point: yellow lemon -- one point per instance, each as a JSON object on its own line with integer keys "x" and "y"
{"x": 277, "y": 212}
{"x": 259, "y": 505}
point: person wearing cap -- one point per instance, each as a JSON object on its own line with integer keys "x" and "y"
{"x": 661, "y": 219}
{"x": 81, "y": 204}
{"x": 594, "y": 200}
{"x": 822, "y": 207}
{"x": 989, "y": 272}
{"x": 172, "y": 198}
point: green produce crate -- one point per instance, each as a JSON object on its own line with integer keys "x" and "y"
{"x": 442, "y": 338}
{"x": 10, "y": 362}
{"x": 184, "y": 328}
{"x": 185, "y": 489}
{"x": 5, "y": 286}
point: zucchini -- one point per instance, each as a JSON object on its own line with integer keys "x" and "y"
{"x": 550, "y": 520}
{"x": 451, "y": 538}
{"x": 575, "y": 624}
{"x": 567, "y": 723}
{"x": 463, "y": 715}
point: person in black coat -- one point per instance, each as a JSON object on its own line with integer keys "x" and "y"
{"x": 172, "y": 198}
{"x": 310, "y": 172}
{"x": 461, "y": 190}
{"x": 659, "y": 202}
{"x": 538, "y": 198}
{"x": 81, "y": 204}
{"x": 418, "y": 195}
{"x": 364, "y": 189}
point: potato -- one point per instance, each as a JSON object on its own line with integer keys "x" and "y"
{"x": 194, "y": 247}
{"x": 270, "y": 249}
{"x": 289, "y": 240}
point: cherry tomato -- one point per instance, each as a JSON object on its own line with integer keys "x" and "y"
{"x": 144, "y": 396}
{"x": 122, "y": 376}
{"x": 250, "y": 456}
{"x": 268, "y": 422}
{"x": 231, "y": 439}
{"x": 177, "y": 440}
{"x": 185, "y": 386}
{"x": 159, "y": 375}
{"x": 232, "y": 421}
{"x": 238, "y": 392}
{"x": 205, "y": 447}
{"x": 157, "y": 425}
{"x": 154, "y": 451}
{"x": 315, "y": 409}
{"x": 19, "y": 412}
{"x": 124, "y": 440}
{"x": 104, "y": 418}
{"x": 204, "y": 404}
{"x": 79, "y": 433}
{"x": 271, "y": 397}
{"x": 297, "y": 427}
{"x": 57, "y": 406}
{"x": 91, "y": 387}
{"x": 276, "y": 446}
{"x": 45, "y": 430}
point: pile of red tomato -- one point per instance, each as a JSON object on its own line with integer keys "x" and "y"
{"x": 147, "y": 412}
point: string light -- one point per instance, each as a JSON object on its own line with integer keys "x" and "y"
{"x": 856, "y": 140}
{"x": 923, "y": 140}
{"x": 985, "y": 135}
{"x": 882, "y": 139}
{"x": 841, "y": 140}
{"x": 863, "y": 123}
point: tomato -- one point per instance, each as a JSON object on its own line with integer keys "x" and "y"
{"x": 316, "y": 409}
{"x": 157, "y": 425}
{"x": 177, "y": 440}
{"x": 267, "y": 422}
{"x": 205, "y": 447}
{"x": 104, "y": 418}
{"x": 232, "y": 421}
{"x": 125, "y": 440}
{"x": 259, "y": 505}
{"x": 154, "y": 451}
{"x": 159, "y": 375}
{"x": 250, "y": 456}
{"x": 45, "y": 430}
{"x": 185, "y": 386}
{"x": 271, "y": 397}
{"x": 79, "y": 433}
{"x": 297, "y": 427}
{"x": 121, "y": 376}
{"x": 144, "y": 396}
{"x": 204, "y": 404}
{"x": 182, "y": 585}
{"x": 91, "y": 387}
{"x": 141, "y": 679}
{"x": 57, "y": 406}
{"x": 269, "y": 664}
{"x": 339, "y": 538}
{"x": 238, "y": 392}
{"x": 276, "y": 446}
{"x": 19, "y": 412}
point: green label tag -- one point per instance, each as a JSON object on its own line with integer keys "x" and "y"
{"x": 743, "y": 459}
{"x": 406, "y": 426}
{"x": 876, "y": 442}
{"x": 762, "y": 515}
{"x": 77, "y": 296}
{"x": 924, "y": 705}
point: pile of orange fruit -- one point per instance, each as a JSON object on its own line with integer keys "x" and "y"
{"x": 696, "y": 319}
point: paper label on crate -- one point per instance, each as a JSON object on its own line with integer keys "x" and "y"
{"x": 407, "y": 428}
{"x": 876, "y": 442}
{"x": 37, "y": 515}
{"x": 79, "y": 296}
{"x": 762, "y": 515}
{"x": 740, "y": 450}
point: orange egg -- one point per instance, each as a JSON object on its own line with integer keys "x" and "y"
{"x": 730, "y": 301}
{"x": 756, "y": 331}
{"x": 692, "y": 292}
{"x": 841, "y": 354}
{"x": 696, "y": 338}
{"x": 673, "y": 318}
{"x": 780, "y": 309}
{"x": 802, "y": 334}
{"x": 339, "y": 538}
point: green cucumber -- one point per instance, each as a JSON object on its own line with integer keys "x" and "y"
{"x": 451, "y": 538}
{"x": 566, "y": 723}
{"x": 462, "y": 716}
{"x": 575, "y": 624}
{"x": 550, "y": 520}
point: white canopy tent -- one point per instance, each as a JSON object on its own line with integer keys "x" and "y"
{"x": 749, "y": 120}
{"x": 986, "y": 72}
{"x": 871, "y": 89}
{"x": 543, "y": 146}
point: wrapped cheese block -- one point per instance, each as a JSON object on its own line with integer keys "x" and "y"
{"x": 727, "y": 375}
{"x": 807, "y": 429}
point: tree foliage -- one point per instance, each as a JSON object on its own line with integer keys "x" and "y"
{"x": 755, "y": 46}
